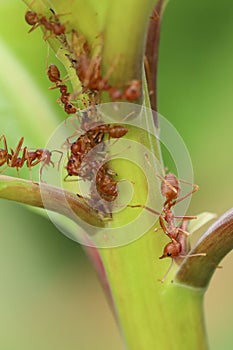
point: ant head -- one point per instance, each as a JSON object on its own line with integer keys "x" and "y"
{"x": 31, "y": 17}
{"x": 171, "y": 250}
{"x": 63, "y": 89}
{"x": 72, "y": 160}
{"x": 133, "y": 90}
{"x": 69, "y": 108}
{"x": 59, "y": 28}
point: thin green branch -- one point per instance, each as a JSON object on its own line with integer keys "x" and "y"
{"x": 56, "y": 199}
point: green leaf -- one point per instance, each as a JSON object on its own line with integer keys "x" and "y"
{"x": 200, "y": 221}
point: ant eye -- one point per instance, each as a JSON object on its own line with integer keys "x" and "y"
{"x": 169, "y": 254}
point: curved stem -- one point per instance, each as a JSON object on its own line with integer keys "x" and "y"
{"x": 57, "y": 199}
{"x": 216, "y": 243}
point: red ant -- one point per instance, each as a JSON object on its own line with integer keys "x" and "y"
{"x": 52, "y": 25}
{"x": 93, "y": 137}
{"x": 133, "y": 90}
{"x": 177, "y": 249}
{"x": 88, "y": 70}
{"x": 87, "y": 67}
{"x": 84, "y": 165}
{"x": 55, "y": 77}
{"x": 79, "y": 150}
{"x": 131, "y": 93}
{"x": 31, "y": 158}
{"x": 170, "y": 189}
{"x": 114, "y": 131}
{"x": 106, "y": 185}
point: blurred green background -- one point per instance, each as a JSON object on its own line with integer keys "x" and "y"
{"x": 50, "y": 297}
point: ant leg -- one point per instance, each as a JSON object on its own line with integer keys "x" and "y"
{"x": 41, "y": 169}
{"x": 163, "y": 227}
{"x": 71, "y": 180}
{"x": 18, "y": 172}
{"x": 185, "y": 217}
{"x": 30, "y": 170}
{"x": 17, "y": 150}
{"x": 192, "y": 255}
{"x": 195, "y": 189}
{"x": 26, "y": 158}
{"x": 186, "y": 233}
{"x": 111, "y": 68}
{"x": 56, "y": 15}
{"x": 157, "y": 229}
{"x": 3, "y": 138}
{"x": 59, "y": 162}
{"x": 2, "y": 170}
{"x": 34, "y": 27}
{"x": 5, "y": 156}
{"x": 31, "y": 3}
{"x": 144, "y": 207}
{"x": 167, "y": 272}
{"x": 43, "y": 160}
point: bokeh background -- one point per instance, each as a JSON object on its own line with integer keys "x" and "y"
{"x": 50, "y": 297}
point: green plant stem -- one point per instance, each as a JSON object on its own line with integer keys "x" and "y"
{"x": 152, "y": 315}
{"x": 123, "y": 44}
{"x": 57, "y": 199}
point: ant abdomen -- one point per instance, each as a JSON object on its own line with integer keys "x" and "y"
{"x": 53, "y": 73}
{"x": 117, "y": 131}
{"x": 170, "y": 186}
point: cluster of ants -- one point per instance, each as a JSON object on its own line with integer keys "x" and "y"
{"x": 177, "y": 248}
{"x": 86, "y": 66}
{"x": 87, "y": 159}
{"x": 82, "y": 161}
{"x": 88, "y": 70}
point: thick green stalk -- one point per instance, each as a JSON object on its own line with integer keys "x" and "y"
{"x": 152, "y": 315}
